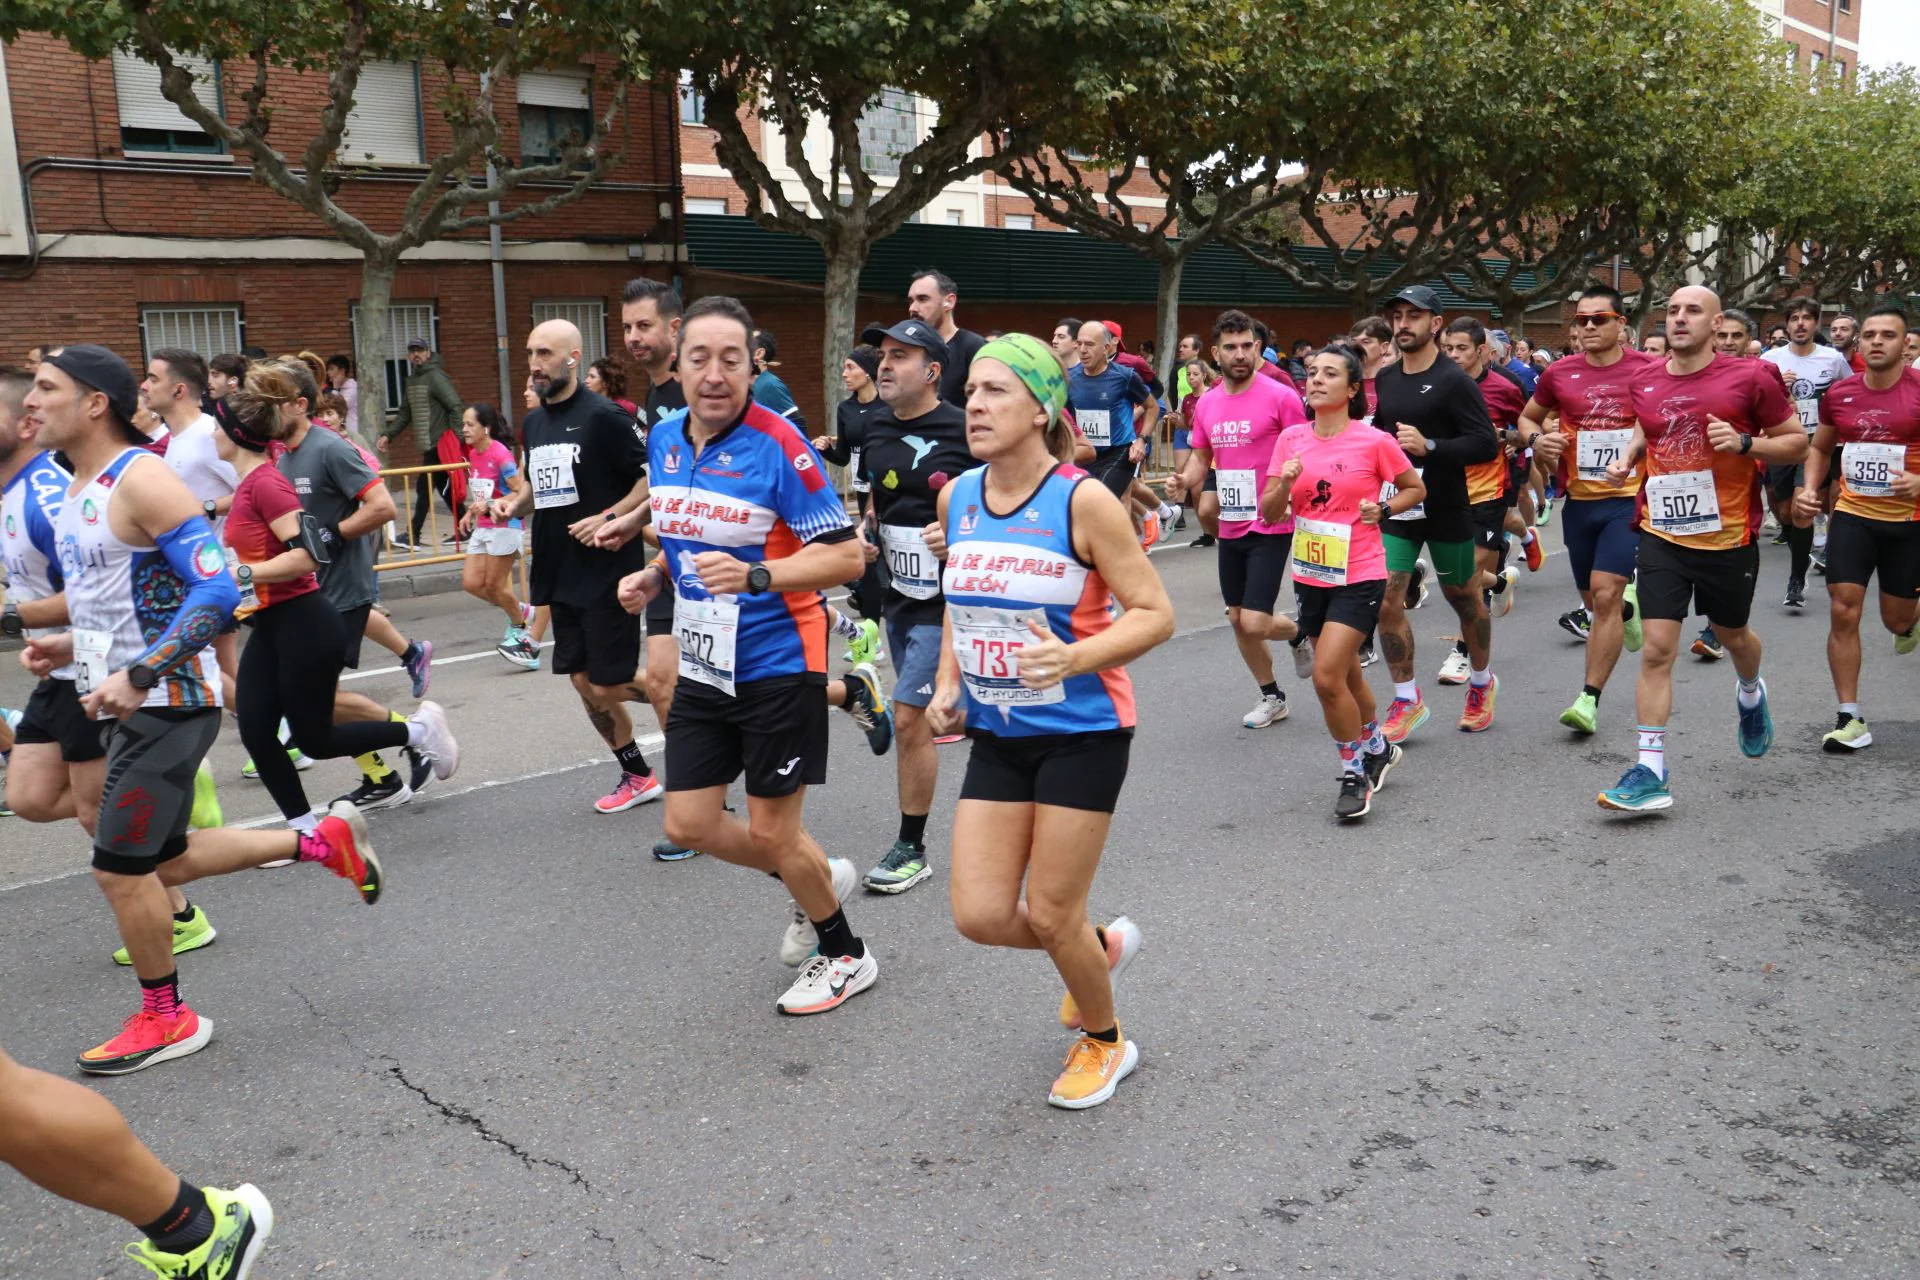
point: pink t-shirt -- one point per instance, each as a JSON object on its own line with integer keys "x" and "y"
{"x": 1336, "y": 476}
{"x": 1240, "y": 431}
{"x": 493, "y": 466}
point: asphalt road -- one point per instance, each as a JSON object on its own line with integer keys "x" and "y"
{"x": 1492, "y": 1031}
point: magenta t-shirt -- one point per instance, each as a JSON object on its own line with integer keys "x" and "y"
{"x": 1336, "y": 476}
{"x": 1241, "y": 431}
{"x": 493, "y": 467}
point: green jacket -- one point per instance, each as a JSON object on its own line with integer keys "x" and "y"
{"x": 429, "y": 405}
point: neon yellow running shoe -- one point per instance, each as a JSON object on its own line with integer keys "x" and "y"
{"x": 1631, "y": 634}
{"x": 206, "y": 802}
{"x": 191, "y": 934}
{"x": 242, "y": 1221}
{"x": 865, "y": 647}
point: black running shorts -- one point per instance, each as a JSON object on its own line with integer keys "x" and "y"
{"x": 773, "y": 731}
{"x": 53, "y": 714}
{"x": 1718, "y": 583}
{"x": 1067, "y": 770}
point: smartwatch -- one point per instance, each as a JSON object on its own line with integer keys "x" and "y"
{"x": 10, "y": 624}
{"x": 759, "y": 579}
{"x": 142, "y": 677}
{"x": 1746, "y": 443}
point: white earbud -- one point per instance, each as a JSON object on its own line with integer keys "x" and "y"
{"x": 569, "y": 364}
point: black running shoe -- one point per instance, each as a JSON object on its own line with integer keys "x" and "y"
{"x": 1378, "y": 764}
{"x": 388, "y": 793}
{"x": 1204, "y": 540}
{"x": 420, "y": 773}
{"x": 1796, "y": 594}
{"x": 1356, "y": 797}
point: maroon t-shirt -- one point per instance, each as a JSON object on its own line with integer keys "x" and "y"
{"x": 264, "y": 496}
{"x": 1673, "y": 410}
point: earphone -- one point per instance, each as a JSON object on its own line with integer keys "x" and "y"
{"x": 569, "y": 364}
{"x": 929, "y": 375}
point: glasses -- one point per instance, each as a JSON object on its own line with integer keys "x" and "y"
{"x": 1594, "y": 319}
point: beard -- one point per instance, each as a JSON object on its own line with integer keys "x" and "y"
{"x": 558, "y": 387}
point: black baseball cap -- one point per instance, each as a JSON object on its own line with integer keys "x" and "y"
{"x": 98, "y": 369}
{"x": 1420, "y": 296}
{"x": 911, "y": 333}
{"x": 418, "y": 344}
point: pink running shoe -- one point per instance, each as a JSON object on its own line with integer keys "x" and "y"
{"x": 632, "y": 791}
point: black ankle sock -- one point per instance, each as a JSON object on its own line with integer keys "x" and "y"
{"x": 1590, "y": 691}
{"x": 1271, "y": 688}
{"x": 631, "y": 760}
{"x": 1626, "y": 611}
{"x": 1459, "y": 646}
{"x": 185, "y": 1225}
{"x": 836, "y": 937}
{"x": 185, "y": 913}
{"x": 913, "y": 829}
{"x": 1110, "y": 1036}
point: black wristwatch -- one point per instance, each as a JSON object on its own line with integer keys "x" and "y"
{"x": 1746, "y": 443}
{"x": 142, "y": 677}
{"x": 10, "y": 625}
{"x": 243, "y": 574}
{"x": 212, "y": 509}
{"x": 759, "y": 579}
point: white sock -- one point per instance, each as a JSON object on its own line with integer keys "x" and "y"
{"x": 1481, "y": 679}
{"x": 1653, "y": 750}
{"x": 1167, "y": 512}
{"x": 842, "y": 624}
{"x": 1750, "y": 696}
{"x": 1527, "y": 537}
{"x": 1850, "y": 709}
{"x": 1410, "y": 690}
{"x": 416, "y": 733}
{"x": 304, "y": 824}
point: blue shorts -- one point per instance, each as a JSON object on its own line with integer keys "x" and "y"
{"x": 916, "y": 661}
{"x": 1183, "y": 439}
{"x": 1600, "y": 537}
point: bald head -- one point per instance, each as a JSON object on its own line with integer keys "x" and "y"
{"x": 553, "y": 359}
{"x": 1692, "y": 312}
{"x": 1095, "y": 342}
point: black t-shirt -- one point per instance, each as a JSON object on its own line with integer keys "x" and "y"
{"x": 908, "y": 463}
{"x": 590, "y": 445}
{"x": 662, "y": 399}
{"x": 961, "y": 348}
{"x": 1443, "y": 404}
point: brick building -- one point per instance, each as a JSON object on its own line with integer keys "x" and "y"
{"x": 1820, "y": 34}
{"x": 122, "y": 223}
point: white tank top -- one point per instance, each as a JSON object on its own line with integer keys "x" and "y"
{"x": 121, "y": 597}
{"x": 27, "y": 538}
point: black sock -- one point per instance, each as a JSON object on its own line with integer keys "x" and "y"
{"x": 913, "y": 829}
{"x": 631, "y": 760}
{"x": 1459, "y": 646}
{"x": 836, "y": 938}
{"x": 412, "y": 651}
{"x": 1590, "y": 691}
{"x": 185, "y": 1225}
{"x": 185, "y": 913}
{"x": 1626, "y": 611}
{"x": 1271, "y": 688}
{"x": 1110, "y": 1036}
{"x": 1800, "y": 543}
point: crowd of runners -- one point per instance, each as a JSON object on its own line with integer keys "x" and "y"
{"x": 682, "y": 551}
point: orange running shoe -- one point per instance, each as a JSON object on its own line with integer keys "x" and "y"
{"x": 1403, "y": 717}
{"x": 350, "y": 849}
{"x": 1478, "y": 717}
{"x": 146, "y": 1038}
{"x": 1123, "y": 944}
{"x": 1149, "y": 530}
{"x": 1094, "y": 1069}
{"x": 1535, "y": 556}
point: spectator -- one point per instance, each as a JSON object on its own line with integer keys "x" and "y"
{"x": 38, "y": 352}
{"x": 769, "y": 389}
{"x": 254, "y": 355}
{"x": 607, "y": 377}
{"x": 340, "y": 381}
{"x": 1187, "y": 352}
{"x": 432, "y": 407}
{"x": 225, "y": 373}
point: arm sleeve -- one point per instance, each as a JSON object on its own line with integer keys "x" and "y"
{"x": 626, "y": 449}
{"x": 194, "y": 554}
{"x": 840, "y": 448}
{"x": 1477, "y": 441}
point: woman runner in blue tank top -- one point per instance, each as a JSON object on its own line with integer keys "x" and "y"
{"x": 1033, "y": 667}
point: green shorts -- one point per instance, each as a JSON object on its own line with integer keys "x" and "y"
{"x": 1453, "y": 562}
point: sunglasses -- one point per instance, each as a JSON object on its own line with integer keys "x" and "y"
{"x": 1594, "y": 319}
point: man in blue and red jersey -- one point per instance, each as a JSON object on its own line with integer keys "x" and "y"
{"x": 752, "y": 533}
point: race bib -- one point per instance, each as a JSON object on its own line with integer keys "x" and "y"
{"x": 1683, "y": 502}
{"x": 1809, "y": 410}
{"x": 988, "y": 644}
{"x": 1096, "y": 425}
{"x": 1239, "y": 500}
{"x": 552, "y": 468}
{"x": 480, "y": 490}
{"x": 860, "y": 482}
{"x": 706, "y": 630}
{"x": 1598, "y": 450}
{"x": 1320, "y": 552}
{"x": 90, "y": 649}
{"x": 1389, "y": 490}
{"x": 1869, "y": 469}
{"x": 916, "y": 574}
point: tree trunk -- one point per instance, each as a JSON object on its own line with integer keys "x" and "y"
{"x": 370, "y": 343}
{"x": 1166, "y": 311}
{"x": 842, "y": 297}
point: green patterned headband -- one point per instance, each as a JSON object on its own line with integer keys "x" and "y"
{"x": 1035, "y": 364}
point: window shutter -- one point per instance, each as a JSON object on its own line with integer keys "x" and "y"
{"x": 566, "y": 89}
{"x": 384, "y": 125}
{"x": 136, "y": 88}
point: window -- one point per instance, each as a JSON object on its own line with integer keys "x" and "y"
{"x": 888, "y": 130}
{"x": 693, "y": 103}
{"x": 589, "y": 316}
{"x": 1019, "y": 222}
{"x": 1846, "y": 6}
{"x": 1839, "y": 69}
{"x": 148, "y": 122}
{"x": 384, "y": 126}
{"x": 956, "y": 218}
{"x": 206, "y": 331}
{"x": 706, "y": 205}
{"x": 553, "y": 105}
{"x": 405, "y": 321}
{"x": 1814, "y": 62}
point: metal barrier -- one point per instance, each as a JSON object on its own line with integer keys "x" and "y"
{"x": 414, "y": 559}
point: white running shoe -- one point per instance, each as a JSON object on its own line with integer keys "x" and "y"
{"x": 1266, "y": 711}
{"x": 1456, "y": 669}
{"x": 1303, "y": 658}
{"x": 801, "y": 938}
{"x": 439, "y": 744}
{"x": 826, "y": 984}
{"x": 1503, "y": 600}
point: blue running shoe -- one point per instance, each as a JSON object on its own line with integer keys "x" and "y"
{"x": 419, "y": 664}
{"x": 1756, "y": 725}
{"x": 1639, "y": 790}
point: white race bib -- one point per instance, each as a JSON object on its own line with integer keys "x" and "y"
{"x": 1809, "y": 410}
{"x": 1869, "y": 469}
{"x": 1389, "y": 490}
{"x": 706, "y": 630}
{"x": 1598, "y": 450}
{"x": 916, "y": 574}
{"x": 90, "y": 649}
{"x": 860, "y": 482}
{"x": 1683, "y": 502}
{"x": 1320, "y": 550}
{"x": 1096, "y": 425}
{"x": 1239, "y": 500}
{"x": 988, "y": 644}
{"x": 480, "y": 490}
{"x": 552, "y": 468}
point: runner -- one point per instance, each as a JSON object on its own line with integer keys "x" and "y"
{"x": 1066, "y": 342}
{"x": 1331, "y": 473}
{"x": 1592, "y": 393}
{"x": 1437, "y": 414}
{"x": 1845, "y": 332}
{"x": 1202, "y": 377}
{"x": 1809, "y": 368}
{"x": 1489, "y": 494}
{"x": 1874, "y": 418}
{"x": 1738, "y": 335}
{"x": 588, "y": 468}
{"x": 844, "y": 449}
{"x": 1704, "y": 421}
{"x": 1235, "y": 427}
{"x": 76, "y": 1144}
{"x": 1115, "y": 412}
{"x": 131, "y": 536}
{"x": 754, "y": 535}
{"x": 290, "y": 671}
{"x": 1035, "y": 669}
{"x": 931, "y": 299}
{"x": 492, "y": 544}
{"x": 1374, "y": 337}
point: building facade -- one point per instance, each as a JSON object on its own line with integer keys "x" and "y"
{"x": 1821, "y": 35}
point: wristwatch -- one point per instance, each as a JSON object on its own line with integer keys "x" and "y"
{"x": 759, "y": 579}
{"x": 212, "y": 509}
{"x": 1746, "y": 443}
{"x": 10, "y": 624}
{"x": 1428, "y": 441}
{"x": 243, "y": 574}
{"x": 142, "y": 677}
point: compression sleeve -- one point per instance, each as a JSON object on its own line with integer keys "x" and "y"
{"x": 194, "y": 554}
